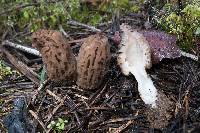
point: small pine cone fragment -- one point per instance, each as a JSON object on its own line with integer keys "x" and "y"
{"x": 56, "y": 54}
{"x": 93, "y": 61}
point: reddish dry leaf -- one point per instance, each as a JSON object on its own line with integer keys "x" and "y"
{"x": 162, "y": 45}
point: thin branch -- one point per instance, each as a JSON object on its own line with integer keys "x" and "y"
{"x": 191, "y": 56}
{"x": 21, "y": 6}
{"x": 92, "y": 28}
{"x": 22, "y": 48}
{"x": 18, "y": 7}
{"x": 37, "y": 118}
{"x": 20, "y": 85}
{"x": 55, "y": 109}
{"x": 122, "y": 127}
{"x": 21, "y": 67}
{"x": 42, "y": 86}
{"x": 63, "y": 31}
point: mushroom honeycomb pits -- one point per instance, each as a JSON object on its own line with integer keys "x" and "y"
{"x": 56, "y": 54}
{"x": 93, "y": 61}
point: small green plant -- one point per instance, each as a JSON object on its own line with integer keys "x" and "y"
{"x": 58, "y": 126}
{"x": 27, "y": 14}
{"x": 43, "y": 75}
{"x": 4, "y": 70}
{"x": 185, "y": 25}
{"x": 40, "y": 14}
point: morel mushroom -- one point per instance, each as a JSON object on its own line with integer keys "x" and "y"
{"x": 56, "y": 54}
{"x": 135, "y": 57}
{"x": 93, "y": 61}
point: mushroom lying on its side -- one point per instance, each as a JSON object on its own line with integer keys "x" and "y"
{"x": 135, "y": 57}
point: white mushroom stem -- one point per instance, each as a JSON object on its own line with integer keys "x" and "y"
{"x": 135, "y": 57}
{"x": 146, "y": 88}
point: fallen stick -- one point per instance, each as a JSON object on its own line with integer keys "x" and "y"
{"x": 34, "y": 51}
{"x": 21, "y": 67}
{"x": 122, "y": 127}
{"x": 5, "y": 12}
{"x": 21, "y": 47}
{"x": 191, "y": 56}
{"x": 21, "y": 85}
{"x": 53, "y": 95}
{"x": 42, "y": 86}
{"x": 37, "y": 118}
{"x": 55, "y": 109}
{"x": 22, "y": 6}
{"x": 63, "y": 31}
{"x": 92, "y": 28}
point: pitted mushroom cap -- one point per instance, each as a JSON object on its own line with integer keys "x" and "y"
{"x": 93, "y": 61}
{"x": 56, "y": 54}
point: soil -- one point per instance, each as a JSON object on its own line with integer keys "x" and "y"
{"x": 116, "y": 106}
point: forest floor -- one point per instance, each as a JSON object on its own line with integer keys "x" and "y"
{"x": 115, "y": 106}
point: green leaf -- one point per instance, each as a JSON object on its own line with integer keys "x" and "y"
{"x": 43, "y": 75}
{"x": 34, "y": 27}
{"x": 66, "y": 121}
{"x": 197, "y": 32}
{"x": 135, "y": 8}
{"x": 96, "y": 19}
{"x": 53, "y": 19}
{"x": 49, "y": 126}
{"x": 61, "y": 127}
{"x": 53, "y": 123}
{"x": 60, "y": 120}
{"x": 44, "y": 18}
{"x": 57, "y": 124}
{"x": 26, "y": 15}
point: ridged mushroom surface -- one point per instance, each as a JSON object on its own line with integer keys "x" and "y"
{"x": 93, "y": 61}
{"x": 56, "y": 54}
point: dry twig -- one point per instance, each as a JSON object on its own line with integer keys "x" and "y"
{"x": 21, "y": 47}
{"x": 21, "y": 67}
{"x": 92, "y": 28}
{"x": 37, "y": 118}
